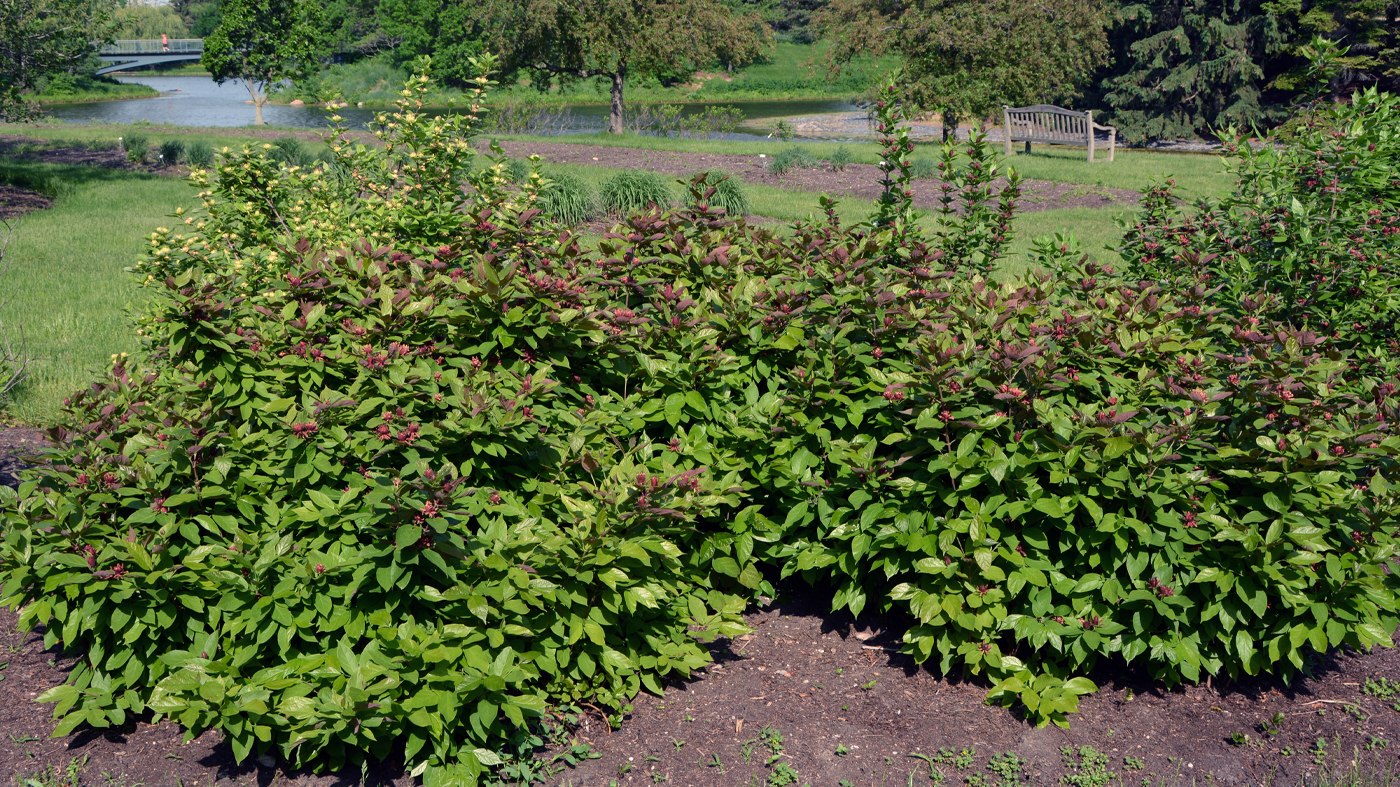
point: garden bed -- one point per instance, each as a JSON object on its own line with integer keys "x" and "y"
{"x": 860, "y": 181}
{"x": 16, "y": 201}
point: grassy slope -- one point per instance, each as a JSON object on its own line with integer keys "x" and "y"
{"x": 63, "y": 280}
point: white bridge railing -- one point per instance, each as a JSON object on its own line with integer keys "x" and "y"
{"x": 154, "y": 47}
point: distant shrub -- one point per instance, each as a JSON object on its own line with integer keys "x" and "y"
{"x": 171, "y": 152}
{"x": 568, "y": 199}
{"x": 728, "y": 192}
{"x": 790, "y": 158}
{"x": 199, "y": 154}
{"x": 923, "y": 168}
{"x": 137, "y": 147}
{"x": 633, "y": 192}
{"x": 840, "y": 158}
{"x": 783, "y": 130}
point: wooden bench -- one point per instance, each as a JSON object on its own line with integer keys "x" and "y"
{"x": 1052, "y": 125}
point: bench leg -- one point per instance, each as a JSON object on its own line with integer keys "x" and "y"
{"x": 1028, "y": 147}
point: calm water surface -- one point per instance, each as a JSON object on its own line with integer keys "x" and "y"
{"x": 199, "y": 101}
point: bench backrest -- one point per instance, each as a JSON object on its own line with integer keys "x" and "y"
{"x": 1046, "y": 123}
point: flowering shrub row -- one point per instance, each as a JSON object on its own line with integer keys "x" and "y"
{"x": 406, "y": 462}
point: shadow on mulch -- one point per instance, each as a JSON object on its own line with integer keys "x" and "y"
{"x": 847, "y": 708}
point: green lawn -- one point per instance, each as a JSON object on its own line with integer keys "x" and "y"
{"x": 63, "y": 283}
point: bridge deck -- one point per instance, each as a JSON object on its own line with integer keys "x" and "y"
{"x": 122, "y": 55}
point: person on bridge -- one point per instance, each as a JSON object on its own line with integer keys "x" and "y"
{"x": 164, "y": 43}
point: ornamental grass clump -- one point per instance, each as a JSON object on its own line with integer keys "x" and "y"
{"x": 408, "y": 463}
{"x": 634, "y": 191}
{"x": 200, "y": 154}
{"x": 721, "y": 190}
{"x": 568, "y": 199}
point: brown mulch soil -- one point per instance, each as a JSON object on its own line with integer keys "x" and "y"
{"x": 827, "y": 683}
{"x": 857, "y": 180}
{"x": 17, "y": 202}
{"x": 110, "y": 158}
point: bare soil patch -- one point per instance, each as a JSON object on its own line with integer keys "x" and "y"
{"x": 856, "y": 180}
{"x": 17, "y": 202}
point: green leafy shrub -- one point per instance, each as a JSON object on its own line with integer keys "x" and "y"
{"x": 200, "y": 154}
{"x": 568, "y": 199}
{"x": 790, "y": 158}
{"x": 633, "y": 192}
{"x": 1312, "y": 228}
{"x": 171, "y": 152}
{"x": 360, "y": 499}
{"x": 840, "y": 158}
{"x": 137, "y": 147}
{"x": 408, "y": 463}
{"x": 728, "y": 192}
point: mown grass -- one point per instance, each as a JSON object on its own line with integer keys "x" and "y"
{"x": 63, "y": 282}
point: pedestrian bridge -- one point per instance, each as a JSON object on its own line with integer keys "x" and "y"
{"x": 123, "y": 55}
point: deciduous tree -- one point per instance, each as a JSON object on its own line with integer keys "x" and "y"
{"x": 41, "y": 37}
{"x": 965, "y": 58}
{"x": 560, "y": 40}
{"x": 261, "y": 43}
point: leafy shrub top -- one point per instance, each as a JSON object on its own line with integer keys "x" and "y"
{"x": 419, "y": 467}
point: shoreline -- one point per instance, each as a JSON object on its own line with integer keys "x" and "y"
{"x": 47, "y": 102}
{"x": 602, "y": 103}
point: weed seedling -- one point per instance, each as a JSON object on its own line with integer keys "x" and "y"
{"x": 845, "y": 707}
{"x": 653, "y": 758}
{"x": 746, "y": 751}
{"x": 1008, "y": 768}
{"x": 623, "y": 768}
{"x": 945, "y": 756}
{"x": 845, "y": 783}
{"x": 1133, "y": 764}
{"x": 782, "y": 775}
{"x": 1087, "y": 766}
{"x": 867, "y": 686}
{"x": 1384, "y": 688}
{"x": 841, "y": 750}
{"x": 677, "y": 743}
{"x": 657, "y": 777}
{"x": 714, "y": 762}
{"x": 1373, "y": 743}
{"x": 1319, "y": 751}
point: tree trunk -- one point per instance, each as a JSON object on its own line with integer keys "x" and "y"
{"x": 615, "y": 120}
{"x": 258, "y": 101}
{"x": 950, "y": 127}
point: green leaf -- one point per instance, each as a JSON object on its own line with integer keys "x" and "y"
{"x": 406, "y": 536}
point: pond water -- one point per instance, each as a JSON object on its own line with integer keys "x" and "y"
{"x": 199, "y": 101}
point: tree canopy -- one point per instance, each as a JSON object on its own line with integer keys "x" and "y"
{"x": 965, "y": 58}
{"x": 261, "y": 43}
{"x": 561, "y": 40}
{"x": 41, "y": 37}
